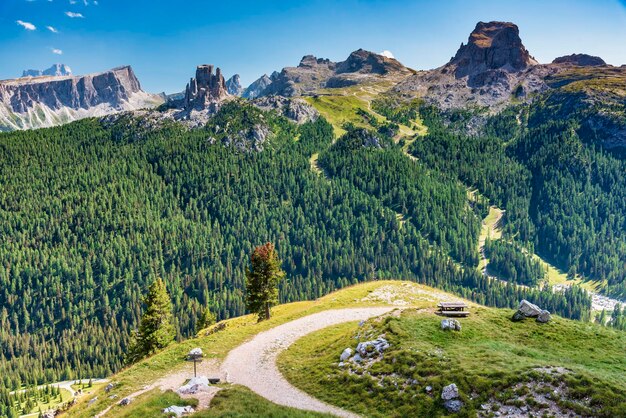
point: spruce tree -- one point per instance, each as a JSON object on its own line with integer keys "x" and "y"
{"x": 156, "y": 329}
{"x": 262, "y": 278}
{"x": 207, "y": 318}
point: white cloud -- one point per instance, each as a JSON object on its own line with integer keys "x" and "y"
{"x": 57, "y": 51}
{"x": 74, "y": 15}
{"x": 387, "y": 54}
{"x": 26, "y": 25}
{"x": 52, "y": 29}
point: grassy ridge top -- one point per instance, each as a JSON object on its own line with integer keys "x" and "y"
{"x": 561, "y": 367}
{"x": 491, "y": 355}
{"x": 237, "y": 330}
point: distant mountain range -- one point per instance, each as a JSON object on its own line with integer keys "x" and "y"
{"x": 492, "y": 70}
{"x": 54, "y": 70}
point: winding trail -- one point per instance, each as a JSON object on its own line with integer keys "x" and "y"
{"x": 253, "y": 364}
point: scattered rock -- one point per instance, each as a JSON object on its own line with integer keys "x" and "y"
{"x": 124, "y": 402}
{"x": 195, "y": 385}
{"x": 113, "y": 397}
{"x": 357, "y": 358}
{"x": 346, "y": 354}
{"x": 450, "y": 392}
{"x": 372, "y": 348}
{"x": 544, "y": 317}
{"x": 518, "y": 316}
{"x": 450, "y": 324}
{"x": 453, "y": 405}
{"x": 429, "y": 389}
{"x": 178, "y": 410}
{"x": 108, "y": 387}
{"x": 530, "y": 310}
{"x": 91, "y": 401}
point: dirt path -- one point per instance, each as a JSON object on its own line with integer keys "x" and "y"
{"x": 176, "y": 379}
{"x": 253, "y": 364}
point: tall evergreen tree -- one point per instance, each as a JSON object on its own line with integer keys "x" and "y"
{"x": 262, "y": 278}
{"x": 207, "y": 318}
{"x": 156, "y": 329}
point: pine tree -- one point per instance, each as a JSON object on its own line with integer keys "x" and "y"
{"x": 262, "y": 278}
{"x": 207, "y": 318}
{"x": 156, "y": 329}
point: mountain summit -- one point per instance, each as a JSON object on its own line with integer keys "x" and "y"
{"x": 492, "y": 46}
{"x": 56, "y": 70}
{"x": 35, "y": 102}
{"x": 206, "y": 89}
{"x": 314, "y": 73}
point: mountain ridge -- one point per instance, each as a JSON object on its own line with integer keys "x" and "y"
{"x": 52, "y": 100}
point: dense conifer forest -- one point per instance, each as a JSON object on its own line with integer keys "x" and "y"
{"x": 564, "y": 195}
{"x": 93, "y": 212}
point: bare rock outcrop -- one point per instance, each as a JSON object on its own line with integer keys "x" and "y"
{"x": 580, "y": 60}
{"x": 314, "y": 73}
{"x": 530, "y": 310}
{"x": 51, "y": 100}
{"x": 491, "y": 46}
{"x": 295, "y": 109}
{"x": 490, "y": 70}
{"x": 206, "y": 90}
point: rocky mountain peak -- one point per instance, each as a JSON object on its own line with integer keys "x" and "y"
{"x": 311, "y": 61}
{"x": 258, "y": 86}
{"x": 206, "y": 89}
{"x": 45, "y": 101}
{"x": 362, "y": 61}
{"x": 581, "y": 60}
{"x": 233, "y": 85}
{"x": 492, "y": 46}
{"x": 55, "y": 70}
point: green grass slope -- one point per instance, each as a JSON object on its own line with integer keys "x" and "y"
{"x": 216, "y": 345}
{"x": 494, "y": 362}
{"x": 563, "y": 367}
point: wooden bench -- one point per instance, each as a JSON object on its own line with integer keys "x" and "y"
{"x": 452, "y": 309}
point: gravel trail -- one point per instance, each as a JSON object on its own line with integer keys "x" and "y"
{"x": 253, "y": 364}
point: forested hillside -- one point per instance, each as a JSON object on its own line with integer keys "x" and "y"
{"x": 92, "y": 212}
{"x": 564, "y": 194}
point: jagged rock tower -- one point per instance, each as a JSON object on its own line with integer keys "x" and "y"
{"x": 492, "y": 46}
{"x": 206, "y": 90}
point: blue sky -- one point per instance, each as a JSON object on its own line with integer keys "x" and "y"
{"x": 165, "y": 40}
